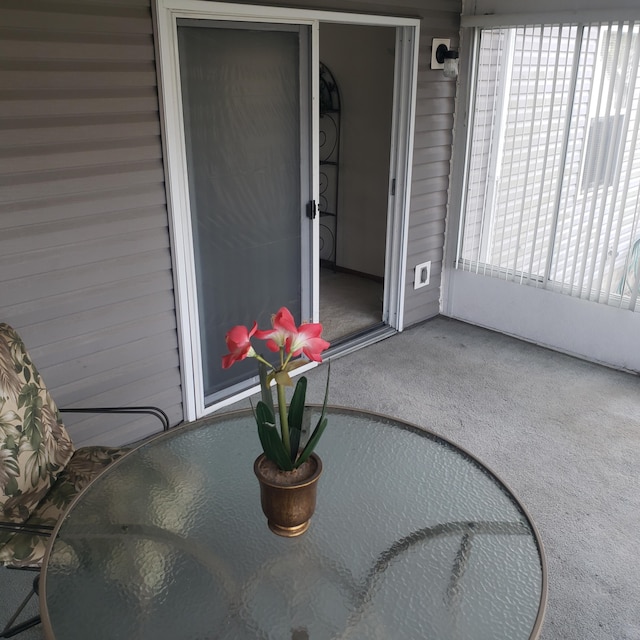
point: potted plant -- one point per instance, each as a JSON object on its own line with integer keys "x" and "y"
{"x": 287, "y": 470}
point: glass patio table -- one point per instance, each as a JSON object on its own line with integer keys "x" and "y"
{"x": 412, "y": 538}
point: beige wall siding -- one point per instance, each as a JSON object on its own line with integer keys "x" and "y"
{"x": 431, "y": 165}
{"x": 84, "y": 246}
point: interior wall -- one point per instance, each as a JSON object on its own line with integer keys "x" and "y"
{"x": 361, "y": 59}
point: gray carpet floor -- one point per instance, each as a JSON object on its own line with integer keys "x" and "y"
{"x": 348, "y": 303}
{"x": 562, "y": 433}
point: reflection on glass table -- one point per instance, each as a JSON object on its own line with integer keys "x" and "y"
{"x": 412, "y": 538}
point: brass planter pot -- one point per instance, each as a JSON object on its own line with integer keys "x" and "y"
{"x": 288, "y": 501}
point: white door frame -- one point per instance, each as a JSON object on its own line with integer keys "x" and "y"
{"x": 166, "y": 13}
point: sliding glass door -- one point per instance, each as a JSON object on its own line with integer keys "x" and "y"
{"x": 240, "y": 99}
{"x": 245, "y": 102}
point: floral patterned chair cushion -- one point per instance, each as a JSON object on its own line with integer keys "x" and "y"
{"x": 34, "y": 445}
{"x": 39, "y": 471}
{"x": 27, "y": 550}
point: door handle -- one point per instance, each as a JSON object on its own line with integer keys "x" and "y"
{"x": 312, "y": 209}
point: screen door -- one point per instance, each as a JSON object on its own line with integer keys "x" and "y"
{"x": 246, "y": 110}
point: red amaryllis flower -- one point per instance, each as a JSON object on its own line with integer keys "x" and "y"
{"x": 284, "y": 326}
{"x": 283, "y": 449}
{"x": 307, "y": 340}
{"x": 238, "y": 341}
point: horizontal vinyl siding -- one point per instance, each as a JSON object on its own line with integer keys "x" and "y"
{"x": 84, "y": 244}
{"x": 431, "y": 167}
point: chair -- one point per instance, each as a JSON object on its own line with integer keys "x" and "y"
{"x": 40, "y": 471}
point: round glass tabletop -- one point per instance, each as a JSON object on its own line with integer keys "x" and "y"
{"x": 412, "y": 538}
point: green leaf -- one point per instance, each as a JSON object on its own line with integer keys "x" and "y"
{"x": 320, "y": 427}
{"x": 63, "y": 494}
{"x": 35, "y": 433}
{"x": 270, "y": 438}
{"x": 264, "y": 415}
{"x": 296, "y": 413}
{"x": 326, "y": 391}
{"x": 32, "y": 423}
{"x": 28, "y": 395}
{"x": 313, "y": 441}
{"x": 265, "y": 386}
{"x": 11, "y": 487}
{"x": 22, "y": 545}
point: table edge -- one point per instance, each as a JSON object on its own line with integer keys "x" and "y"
{"x": 218, "y": 417}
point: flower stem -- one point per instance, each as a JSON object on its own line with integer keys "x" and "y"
{"x": 284, "y": 420}
{"x": 259, "y": 358}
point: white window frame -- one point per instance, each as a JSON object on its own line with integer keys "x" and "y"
{"x": 597, "y": 332}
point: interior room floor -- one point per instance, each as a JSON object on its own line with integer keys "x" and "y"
{"x": 348, "y": 303}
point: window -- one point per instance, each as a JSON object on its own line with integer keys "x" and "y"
{"x": 553, "y": 169}
{"x": 605, "y": 132}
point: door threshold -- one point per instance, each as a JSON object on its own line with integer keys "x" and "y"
{"x": 358, "y": 340}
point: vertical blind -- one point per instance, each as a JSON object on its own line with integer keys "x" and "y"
{"x": 553, "y": 171}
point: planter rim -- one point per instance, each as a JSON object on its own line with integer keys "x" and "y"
{"x": 296, "y": 485}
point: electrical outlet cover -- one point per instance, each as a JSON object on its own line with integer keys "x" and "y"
{"x": 422, "y": 274}
{"x": 434, "y": 45}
